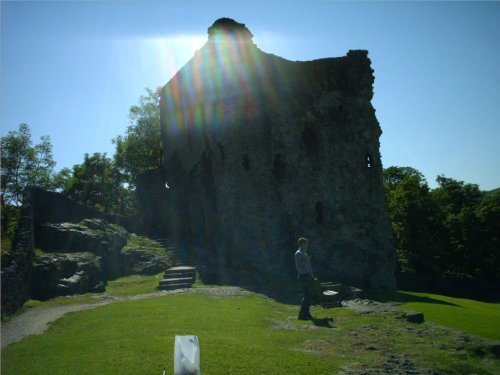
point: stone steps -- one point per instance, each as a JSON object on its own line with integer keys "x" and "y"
{"x": 181, "y": 270}
{"x": 177, "y": 257}
{"x": 176, "y": 283}
{"x": 180, "y": 275}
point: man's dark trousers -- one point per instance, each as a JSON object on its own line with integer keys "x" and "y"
{"x": 306, "y": 283}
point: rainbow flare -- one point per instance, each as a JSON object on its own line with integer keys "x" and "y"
{"x": 227, "y": 71}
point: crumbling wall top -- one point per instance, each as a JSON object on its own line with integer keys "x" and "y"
{"x": 227, "y": 28}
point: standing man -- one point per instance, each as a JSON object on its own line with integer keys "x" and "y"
{"x": 306, "y": 278}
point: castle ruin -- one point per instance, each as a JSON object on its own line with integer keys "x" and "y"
{"x": 259, "y": 150}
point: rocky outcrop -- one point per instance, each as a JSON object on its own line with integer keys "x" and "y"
{"x": 83, "y": 249}
{"x": 143, "y": 261}
{"x": 83, "y": 255}
{"x": 259, "y": 150}
{"x": 90, "y": 235}
{"x": 64, "y": 274}
{"x": 67, "y": 270}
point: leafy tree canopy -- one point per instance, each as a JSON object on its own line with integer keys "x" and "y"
{"x": 140, "y": 149}
{"x": 97, "y": 182}
{"x": 24, "y": 164}
{"x": 394, "y": 175}
{"x": 452, "y": 229}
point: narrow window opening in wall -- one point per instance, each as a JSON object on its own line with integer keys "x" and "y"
{"x": 310, "y": 140}
{"x": 341, "y": 109}
{"x": 279, "y": 167}
{"x": 221, "y": 151}
{"x": 369, "y": 161}
{"x": 319, "y": 212}
{"x": 246, "y": 163}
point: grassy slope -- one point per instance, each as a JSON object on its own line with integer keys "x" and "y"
{"x": 249, "y": 335}
{"x": 139, "y": 241}
{"x": 471, "y": 316}
{"x": 475, "y": 317}
{"x": 133, "y": 285}
{"x": 124, "y": 286}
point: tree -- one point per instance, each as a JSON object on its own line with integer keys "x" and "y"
{"x": 393, "y": 175}
{"x": 97, "y": 182}
{"x": 24, "y": 164}
{"x": 458, "y": 204}
{"x": 63, "y": 180}
{"x": 412, "y": 215}
{"x": 488, "y": 252}
{"x": 141, "y": 148}
{"x": 42, "y": 170}
{"x": 451, "y": 230}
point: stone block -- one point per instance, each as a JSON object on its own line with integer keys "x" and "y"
{"x": 414, "y": 317}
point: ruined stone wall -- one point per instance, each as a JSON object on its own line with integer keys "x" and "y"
{"x": 151, "y": 193}
{"x": 260, "y": 150}
{"x": 52, "y": 207}
{"x": 16, "y": 275}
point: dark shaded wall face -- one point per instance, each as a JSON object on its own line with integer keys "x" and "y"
{"x": 260, "y": 150}
{"x": 16, "y": 275}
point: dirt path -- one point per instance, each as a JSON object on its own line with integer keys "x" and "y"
{"x": 37, "y": 320}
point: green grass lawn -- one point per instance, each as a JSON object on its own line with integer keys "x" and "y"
{"x": 244, "y": 335}
{"x": 471, "y": 316}
{"x": 133, "y": 285}
{"x": 121, "y": 287}
{"x": 6, "y": 245}
{"x": 475, "y": 317}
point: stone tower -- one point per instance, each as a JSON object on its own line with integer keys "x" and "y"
{"x": 260, "y": 150}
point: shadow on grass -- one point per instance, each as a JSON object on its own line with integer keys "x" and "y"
{"x": 281, "y": 288}
{"x": 287, "y": 290}
{"x": 382, "y": 295}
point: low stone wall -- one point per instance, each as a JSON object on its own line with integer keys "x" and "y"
{"x": 51, "y": 207}
{"x": 16, "y": 275}
{"x": 465, "y": 287}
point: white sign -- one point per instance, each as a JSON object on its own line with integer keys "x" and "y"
{"x": 186, "y": 355}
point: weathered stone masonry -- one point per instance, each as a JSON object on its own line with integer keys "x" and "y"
{"x": 260, "y": 150}
{"x": 16, "y": 275}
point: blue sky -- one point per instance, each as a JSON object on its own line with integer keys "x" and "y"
{"x": 72, "y": 69}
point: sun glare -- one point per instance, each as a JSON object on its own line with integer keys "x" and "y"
{"x": 172, "y": 52}
{"x": 155, "y": 60}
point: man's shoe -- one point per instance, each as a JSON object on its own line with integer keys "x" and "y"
{"x": 305, "y": 317}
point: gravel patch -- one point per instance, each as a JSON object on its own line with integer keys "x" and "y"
{"x": 394, "y": 364}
